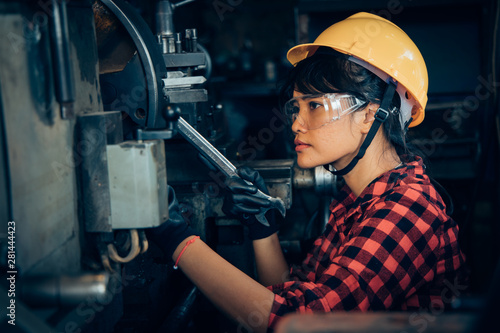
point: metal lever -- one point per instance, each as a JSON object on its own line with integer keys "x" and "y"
{"x": 226, "y": 167}
{"x": 181, "y": 3}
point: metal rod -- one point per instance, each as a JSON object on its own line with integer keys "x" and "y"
{"x": 227, "y": 168}
{"x": 206, "y": 148}
{"x": 164, "y": 20}
{"x": 179, "y": 317}
{"x": 182, "y": 3}
{"x": 63, "y": 290}
{"x": 65, "y": 85}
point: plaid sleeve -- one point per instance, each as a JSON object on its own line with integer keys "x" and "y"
{"x": 389, "y": 253}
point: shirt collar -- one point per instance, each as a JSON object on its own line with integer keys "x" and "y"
{"x": 346, "y": 199}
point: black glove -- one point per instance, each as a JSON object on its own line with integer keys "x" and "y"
{"x": 240, "y": 203}
{"x": 173, "y": 231}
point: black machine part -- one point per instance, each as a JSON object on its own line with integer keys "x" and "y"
{"x": 151, "y": 69}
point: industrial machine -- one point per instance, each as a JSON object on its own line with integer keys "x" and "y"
{"x": 106, "y": 103}
{"x": 96, "y": 106}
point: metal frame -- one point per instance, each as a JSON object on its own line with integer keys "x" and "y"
{"x": 142, "y": 38}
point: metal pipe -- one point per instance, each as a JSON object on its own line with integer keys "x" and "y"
{"x": 187, "y": 40}
{"x": 164, "y": 19}
{"x": 194, "y": 40}
{"x": 178, "y": 43}
{"x": 63, "y": 290}
{"x": 165, "y": 26}
{"x": 303, "y": 178}
{"x": 179, "y": 317}
{"x": 324, "y": 181}
{"x": 65, "y": 85}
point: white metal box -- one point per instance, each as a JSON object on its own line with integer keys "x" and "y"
{"x": 138, "y": 184}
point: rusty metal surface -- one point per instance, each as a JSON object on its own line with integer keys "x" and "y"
{"x": 44, "y": 201}
{"x": 42, "y": 153}
{"x": 114, "y": 44}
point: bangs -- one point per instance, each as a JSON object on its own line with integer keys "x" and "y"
{"x": 322, "y": 74}
{"x": 318, "y": 85}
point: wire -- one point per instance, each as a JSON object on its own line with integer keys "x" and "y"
{"x": 106, "y": 264}
{"x": 143, "y": 241}
{"x": 134, "y": 249}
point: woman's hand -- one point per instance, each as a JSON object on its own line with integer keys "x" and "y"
{"x": 240, "y": 202}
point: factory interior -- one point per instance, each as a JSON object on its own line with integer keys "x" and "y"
{"x": 92, "y": 97}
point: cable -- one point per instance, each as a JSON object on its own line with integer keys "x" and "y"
{"x": 143, "y": 241}
{"x": 135, "y": 249}
{"x": 106, "y": 264}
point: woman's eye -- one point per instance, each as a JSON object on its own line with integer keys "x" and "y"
{"x": 314, "y": 105}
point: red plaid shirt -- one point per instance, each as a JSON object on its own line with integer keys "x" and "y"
{"x": 392, "y": 248}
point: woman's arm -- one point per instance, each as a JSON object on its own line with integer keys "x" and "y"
{"x": 242, "y": 203}
{"x": 238, "y": 295}
{"x": 272, "y": 267}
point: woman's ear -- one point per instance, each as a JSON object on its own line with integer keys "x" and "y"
{"x": 369, "y": 117}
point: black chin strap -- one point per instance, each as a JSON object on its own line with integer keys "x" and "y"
{"x": 380, "y": 117}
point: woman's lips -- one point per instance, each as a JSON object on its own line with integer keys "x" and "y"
{"x": 299, "y": 145}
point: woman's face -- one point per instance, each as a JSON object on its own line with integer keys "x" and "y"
{"x": 336, "y": 142}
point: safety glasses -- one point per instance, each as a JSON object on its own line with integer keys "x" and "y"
{"x": 314, "y": 111}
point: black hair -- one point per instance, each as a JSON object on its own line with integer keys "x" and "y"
{"x": 328, "y": 71}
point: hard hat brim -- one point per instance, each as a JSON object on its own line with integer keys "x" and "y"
{"x": 303, "y": 51}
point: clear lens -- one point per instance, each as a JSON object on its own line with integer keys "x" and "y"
{"x": 315, "y": 111}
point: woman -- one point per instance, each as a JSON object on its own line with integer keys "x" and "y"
{"x": 389, "y": 244}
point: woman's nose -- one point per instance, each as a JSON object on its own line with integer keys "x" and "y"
{"x": 298, "y": 125}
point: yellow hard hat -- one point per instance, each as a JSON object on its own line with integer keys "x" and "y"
{"x": 383, "y": 48}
